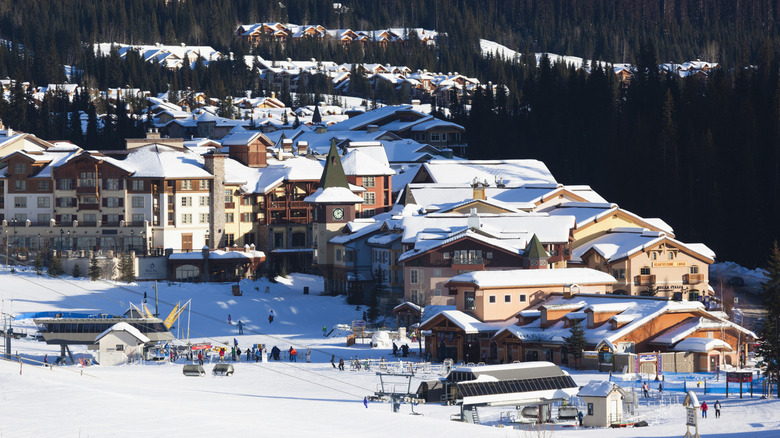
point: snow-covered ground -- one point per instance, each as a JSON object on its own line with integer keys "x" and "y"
{"x": 260, "y": 399}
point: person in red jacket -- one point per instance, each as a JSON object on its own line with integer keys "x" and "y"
{"x": 703, "y": 409}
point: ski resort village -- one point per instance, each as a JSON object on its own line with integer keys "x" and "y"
{"x": 350, "y": 275}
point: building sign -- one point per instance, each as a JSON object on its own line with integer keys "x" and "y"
{"x": 152, "y": 268}
{"x": 590, "y": 355}
{"x": 690, "y": 417}
{"x": 733, "y": 377}
{"x": 605, "y": 354}
{"x": 647, "y": 358}
{"x": 670, "y": 264}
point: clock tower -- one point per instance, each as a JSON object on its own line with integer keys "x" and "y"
{"x": 334, "y": 205}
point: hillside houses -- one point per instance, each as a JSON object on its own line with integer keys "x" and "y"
{"x": 282, "y": 33}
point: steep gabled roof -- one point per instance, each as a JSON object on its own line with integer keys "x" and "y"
{"x": 535, "y": 250}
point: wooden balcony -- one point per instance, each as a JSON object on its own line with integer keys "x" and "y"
{"x": 88, "y": 206}
{"x": 644, "y": 280}
{"x": 86, "y": 189}
{"x": 468, "y": 264}
{"x": 693, "y": 278}
{"x": 230, "y": 205}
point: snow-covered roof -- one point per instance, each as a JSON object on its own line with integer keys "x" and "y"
{"x": 359, "y": 162}
{"x": 597, "y": 389}
{"x": 533, "y": 277}
{"x": 466, "y": 322}
{"x": 509, "y": 172}
{"x": 124, "y": 327}
{"x": 334, "y": 195}
{"x": 702, "y": 345}
{"x": 158, "y": 161}
{"x": 624, "y": 242}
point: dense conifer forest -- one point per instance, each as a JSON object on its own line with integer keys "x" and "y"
{"x": 701, "y": 153}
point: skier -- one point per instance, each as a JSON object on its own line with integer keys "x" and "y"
{"x": 271, "y": 317}
{"x": 365, "y": 402}
{"x": 240, "y": 327}
{"x": 308, "y": 355}
{"x": 333, "y": 360}
{"x": 703, "y": 409}
{"x": 645, "y": 389}
{"x": 341, "y": 364}
{"x": 717, "y": 409}
{"x": 230, "y": 321}
{"x": 324, "y": 331}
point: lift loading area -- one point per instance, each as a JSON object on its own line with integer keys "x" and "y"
{"x": 538, "y": 384}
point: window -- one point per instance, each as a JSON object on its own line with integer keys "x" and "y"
{"x": 619, "y": 274}
{"x": 522, "y": 298}
{"x": 437, "y": 292}
{"x": 368, "y": 212}
{"x": 67, "y": 219}
{"x": 138, "y": 184}
{"x": 86, "y": 179}
{"x": 112, "y": 218}
{"x": 694, "y": 269}
{"x": 65, "y": 184}
{"x": 44, "y": 186}
{"x": 230, "y": 239}
{"x": 44, "y": 202}
{"x": 489, "y": 254}
{"x": 298, "y": 239}
{"x": 20, "y": 185}
{"x": 469, "y": 300}
{"x": 447, "y": 255}
{"x": 437, "y": 272}
{"x": 138, "y": 218}
{"x": 368, "y": 182}
{"x": 204, "y": 201}
{"x": 138, "y": 202}
{"x": 204, "y": 218}
{"x": 66, "y": 202}
{"x": 369, "y": 198}
{"x": 278, "y": 240}
{"x": 186, "y": 184}
{"x": 435, "y": 136}
{"x": 338, "y": 255}
{"x": 590, "y": 408}
{"x": 492, "y": 299}
{"x": 414, "y": 296}
{"x": 229, "y": 218}
{"x": 228, "y": 195}
{"x": 20, "y": 169}
{"x": 203, "y": 184}
{"x": 112, "y": 202}
{"x": 20, "y": 217}
{"x": 111, "y": 184}
{"x": 671, "y": 255}
{"x": 645, "y": 270}
{"x": 90, "y": 218}
{"x": 186, "y": 218}
{"x": 507, "y": 298}
{"x": 20, "y": 202}
{"x": 246, "y": 200}
{"x": 654, "y": 255}
{"x": 246, "y": 217}
{"x": 89, "y": 200}
{"x": 186, "y": 201}
{"x": 43, "y": 218}
{"x": 414, "y": 276}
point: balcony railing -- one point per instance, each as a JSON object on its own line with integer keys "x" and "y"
{"x": 644, "y": 280}
{"x": 693, "y": 278}
{"x": 468, "y": 261}
{"x": 230, "y": 205}
{"x": 86, "y": 189}
{"x": 89, "y": 206}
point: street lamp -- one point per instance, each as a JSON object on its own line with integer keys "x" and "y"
{"x": 62, "y": 239}
{"x": 132, "y": 236}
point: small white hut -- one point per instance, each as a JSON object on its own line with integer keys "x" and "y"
{"x": 119, "y": 344}
{"x": 604, "y": 404}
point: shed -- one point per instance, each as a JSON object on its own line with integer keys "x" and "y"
{"x": 604, "y": 401}
{"x": 119, "y": 344}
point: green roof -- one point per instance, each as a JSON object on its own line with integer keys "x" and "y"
{"x": 333, "y": 175}
{"x": 535, "y": 250}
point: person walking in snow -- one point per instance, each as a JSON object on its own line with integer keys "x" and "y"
{"x": 333, "y": 360}
{"x": 365, "y": 402}
{"x": 200, "y": 358}
{"x": 233, "y": 353}
{"x": 341, "y": 364}
{"x": 248, "y": 355}
{"x": 717, "y": 409}
{"x": 703, "y": 409}
{"x": 45, "y": 359}
{"x": 293, "y": 354}
{"x": 240, "y": 327}
{"x": 646, "y": 389}
{"x": 230, "y": 321}
{"x": 222, "y": 354}
{"x": 324, "y": 331}
{"x": 271, "y": 317}
{"x": 308, "y": 355}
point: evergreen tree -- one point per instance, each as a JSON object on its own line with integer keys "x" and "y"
{"x": 126, "y": 269}
{"x": 76, "y": 270}
{"x": 94, "y": 269}
{"x": 769, "y": 332}
{"x": 39, "y": 263}
{"x": 55, "y": 267}
{"x": 575, "y": 342}
{"x": 373, "y": 304}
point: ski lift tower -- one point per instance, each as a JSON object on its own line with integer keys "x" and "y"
{"x": 396, "y": 388}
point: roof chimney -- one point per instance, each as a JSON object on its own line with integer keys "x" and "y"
{"x": 479, "y": 189}
{"x": 372, "y": 128}
{"x": 473, "y": 221}
{"x": 321, "y": 130}
{"x": 303, "y": 147}
{"x": 287, "y": 145}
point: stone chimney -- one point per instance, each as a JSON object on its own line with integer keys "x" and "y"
{"x": 446, "y": 153}
{"x": 215, "y": 164}
{"x": 303, "y": 147}
{"x": 287, "y": 145}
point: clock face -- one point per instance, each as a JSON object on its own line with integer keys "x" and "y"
{"x": 338, "y": 213}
